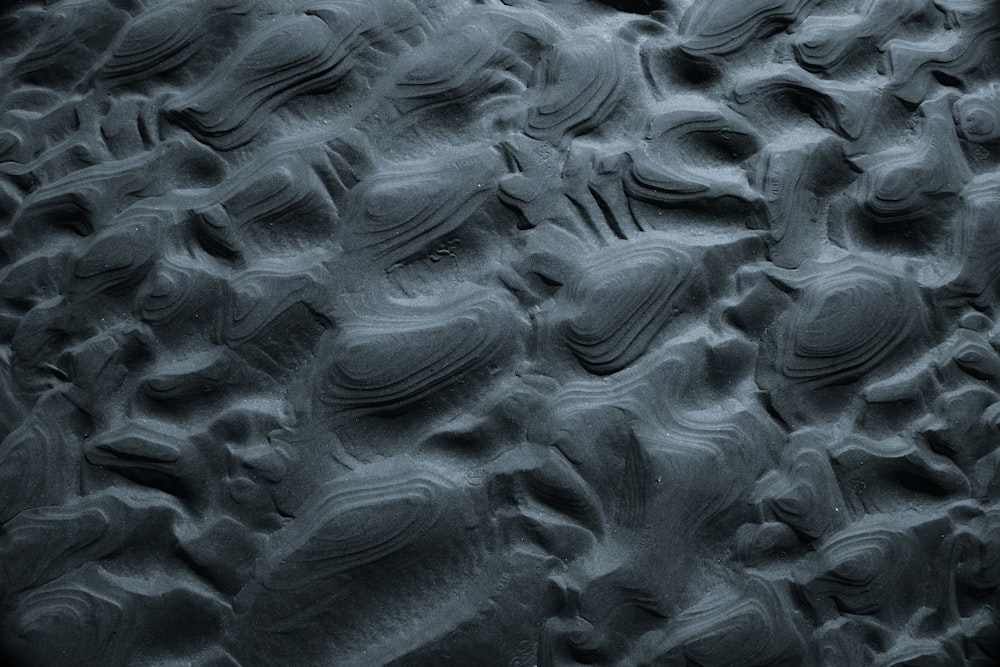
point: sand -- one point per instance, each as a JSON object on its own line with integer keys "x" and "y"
{"x": 513, "y": 333}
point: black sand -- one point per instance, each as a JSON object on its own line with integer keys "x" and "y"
{"x": 534, "y": 332}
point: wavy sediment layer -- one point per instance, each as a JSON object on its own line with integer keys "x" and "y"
{"x": 507, "y": 332}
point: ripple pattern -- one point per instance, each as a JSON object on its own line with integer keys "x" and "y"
{"x": 507, "y": 332}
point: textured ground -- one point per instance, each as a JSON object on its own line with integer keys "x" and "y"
{"x": 430, "y": 332}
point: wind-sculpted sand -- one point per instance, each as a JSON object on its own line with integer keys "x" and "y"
{"x": 508, "y": 332}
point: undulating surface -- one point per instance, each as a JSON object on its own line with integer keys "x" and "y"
{"x": 435, "y": 332}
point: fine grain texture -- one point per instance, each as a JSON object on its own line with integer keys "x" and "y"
{"x": 499, "y": 333}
